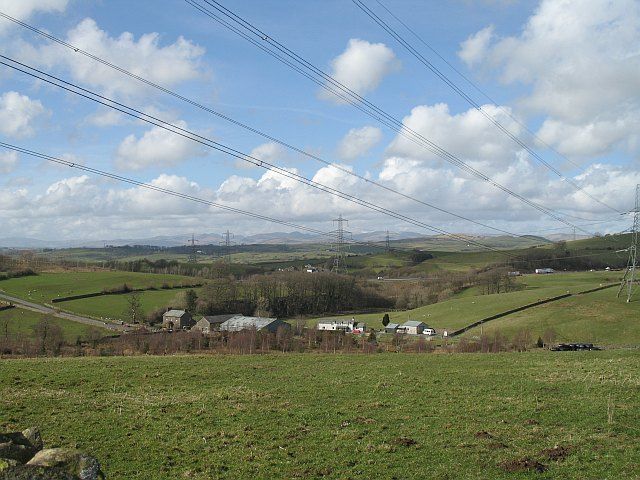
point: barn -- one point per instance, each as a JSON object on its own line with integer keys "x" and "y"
{"x": 238, "y": 323}
{"x": 177, "y": 320}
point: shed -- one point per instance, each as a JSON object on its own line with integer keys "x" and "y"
{"x": 413, "y": 327}
{"x": 211, "y": 323}
{"x": 391, "y": 328}
{"x": 240, "y": 322}
{"x": 177, "y": 320}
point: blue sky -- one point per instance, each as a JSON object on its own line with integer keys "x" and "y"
{"x": 570, "y": 74}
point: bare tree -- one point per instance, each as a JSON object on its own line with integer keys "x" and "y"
{"x": 134, "y": 312}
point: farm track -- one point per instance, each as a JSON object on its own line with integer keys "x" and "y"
{"x": 56, "y": 313}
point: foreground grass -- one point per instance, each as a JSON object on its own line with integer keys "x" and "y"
{"x": 20, "y": 323}
{"x": 341, "y": 416}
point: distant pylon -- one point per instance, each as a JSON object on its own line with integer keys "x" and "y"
{"x": 339, "y": 259}
{"x": 193, "y": 257}
{"x": 226, "y": 243}
{"x": 387, "y": 241}
{"x": 632, "y": 265}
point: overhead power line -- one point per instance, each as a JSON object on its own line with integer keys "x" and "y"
{"x": 100, "y": 99}
{"x": 413, "y": 51}
{"x": 277, "y": 50}
{"x": 233, "y": 121}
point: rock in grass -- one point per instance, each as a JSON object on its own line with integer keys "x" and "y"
{"x": 74, "y": 462}
{"x": 27, "y": 472}
{"x": 20, "y": 446}
{"x": 6, "y": 463}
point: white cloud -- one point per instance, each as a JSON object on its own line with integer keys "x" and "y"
{"x": 105, "y": 118}
{"x": 156, "y": 148}
{"x": 361, "y": 67}
{"x": 18, "y": 113}
{"x": 23, "y": 9}
{"x": 269, "y": 152}
{"x": 468, "y": 135}
{"x": 358, "y": 141}
{"x": 8, "y": 161}
{"x": 166, "y": 65}
{"x": 474, "y": 48}
{"x": 581, "y": 60}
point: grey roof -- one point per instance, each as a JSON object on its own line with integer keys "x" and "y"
{"x": 219, "y": 318}
{"x": 240, "y": 322}
{"x": 392, "y": 325}
{"x": 413, "y": 323}
{"x": 174, "y": 313}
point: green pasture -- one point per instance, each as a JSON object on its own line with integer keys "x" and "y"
{"x": 46, "y": 286}
{"x": 20, "y": 322}
{"x": 573, "y": 415}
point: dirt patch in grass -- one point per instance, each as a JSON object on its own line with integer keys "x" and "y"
{"x": 483, "y": 434}
{"x": 557, "y": 453}
{"x": 405, "y": 441}
{"x": 524, "y": 464}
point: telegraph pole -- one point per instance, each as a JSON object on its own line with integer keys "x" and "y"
{"x": 339, "y": 259}
{"x": 632, "y": 265}
{"x": 193, "y": 256}
{"x": 226, "y": 243}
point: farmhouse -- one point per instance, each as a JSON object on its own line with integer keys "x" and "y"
{"x": 544, "y": 270}
{"x": 412, "y": 327}
{"x": 211, "y": 323}
{"x": 240, "y": 322}
{"x": 177, "y": 320}
{"x": 348, "y": 326}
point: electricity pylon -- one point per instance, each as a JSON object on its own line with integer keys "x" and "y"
{"x": 632, "y": 265}
{"x": 226, "y": 243}
{"x": 339, "y": 263}
{"x": 193, "y": 256}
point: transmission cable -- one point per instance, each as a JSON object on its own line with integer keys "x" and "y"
{"x": 333, "y": 86}
{"x": 70, "y": 87}
{"x": 360, "y": 4}
{"x": 245, "y": 126}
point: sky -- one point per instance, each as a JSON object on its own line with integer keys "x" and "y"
{"x": 562, "y": 77}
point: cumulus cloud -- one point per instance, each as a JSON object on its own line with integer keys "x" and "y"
{"x": 361, "y": 67}
{"x": 23, "y": 9}
{"x": 18, "y": 114}
{"x": 468, "y": 135}
{"x": 474, "y": 48}
{"x": 358, "y": 141}
{"x": 157, "y": 147}
{"x": 269, "y": 152}
{"x": 8, "y": 161}
{"x": 581, "y": 62}
{"x": 166, "y": 65}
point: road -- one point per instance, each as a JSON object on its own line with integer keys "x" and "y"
{"x": 18, "y": 302}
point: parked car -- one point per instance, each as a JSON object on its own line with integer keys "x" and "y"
{"x": 572, "y": 347}
{"x": 429, "y": 331}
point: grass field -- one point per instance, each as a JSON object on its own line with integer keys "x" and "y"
{"x": 46, "y": 286}
{"x": 399, "y": 416}
{"x": 114, "y": 306}
{"x": 598, "y": 318}
{"x": 470, "y": 306}
{"x": 22, "y": 322}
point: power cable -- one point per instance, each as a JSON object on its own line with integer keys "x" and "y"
{"x": 360, "y": 4}
{"x": 70, "y": 87}
{"x": 240, "y": 124}
{"x": 330, "y": 84}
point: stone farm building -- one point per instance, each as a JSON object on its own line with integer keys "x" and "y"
{"x": 177, "y": 320}
{"x": 240, "y": 322}
{"x": 211, "y": 323}
{"x": 391, "y": 328}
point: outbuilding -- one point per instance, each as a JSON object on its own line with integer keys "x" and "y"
{"x": 238, "y": 323}
{"x": 391, "y": 328}
{"x": 412, "y": 327}
{"x": 211, "y": 323}
{"x": 177, "y": 320}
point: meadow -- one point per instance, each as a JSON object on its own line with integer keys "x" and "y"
{"x": 18, "y": 322}
{"x": 44, "y": 287}
{"x": 570, "y": 415}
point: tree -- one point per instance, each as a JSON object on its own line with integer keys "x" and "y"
{"x": 372, "y": 337}
{"x": 191, "y": 299}
{"x": 134, "y": 312}
{"x": 49, "y": 336}
{"x": 385, "y": 319}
